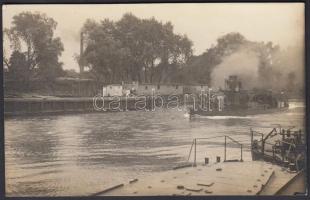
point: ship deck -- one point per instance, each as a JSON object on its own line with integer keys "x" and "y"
{"x": 225, "y": 178}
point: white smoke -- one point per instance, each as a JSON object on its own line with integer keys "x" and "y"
{"x": 243, "y": 63}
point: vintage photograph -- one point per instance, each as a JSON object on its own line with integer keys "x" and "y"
{"x": 161, "y": 99}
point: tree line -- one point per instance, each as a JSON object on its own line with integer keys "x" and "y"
{"x": 130, "y": 49}
{"x": 133, "y": 49}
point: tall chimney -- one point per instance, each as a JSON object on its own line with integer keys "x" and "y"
{"x": 81, "y": 54}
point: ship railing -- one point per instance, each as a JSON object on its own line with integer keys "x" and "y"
{"x": 281, "y": 151}
{"x": 226, "y": 139}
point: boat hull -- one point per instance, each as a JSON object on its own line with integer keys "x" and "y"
{"x": 237, "y": 112}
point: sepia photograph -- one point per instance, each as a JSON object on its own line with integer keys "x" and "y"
{"x": 154, "y": 99}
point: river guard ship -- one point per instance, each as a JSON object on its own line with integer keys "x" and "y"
{"x": 235, "y": 101}
{"x": 277, "y": 167}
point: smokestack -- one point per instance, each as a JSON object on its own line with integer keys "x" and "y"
{"x": 81, "y": 53}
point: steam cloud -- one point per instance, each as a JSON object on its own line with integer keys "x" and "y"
{"x": 285, "y": 71}
{"x": 242, "y": 63}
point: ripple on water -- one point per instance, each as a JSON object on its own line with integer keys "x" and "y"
{"x": 82, "y": 154}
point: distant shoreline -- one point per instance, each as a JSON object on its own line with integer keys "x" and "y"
{"x": 36, "y": 106}
{"x": 68, "y": 105}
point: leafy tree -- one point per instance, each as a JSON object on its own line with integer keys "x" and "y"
{"x": 133, "y": 49}
{"x": 32, "y": 34}
{"x": 104, "y": 54}
{"x": 128, "y": 31}
{"x": 17, "y": 67}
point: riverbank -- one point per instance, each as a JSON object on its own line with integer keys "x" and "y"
{"x": 59, "y": 105}
{"x": 49, "y": 105}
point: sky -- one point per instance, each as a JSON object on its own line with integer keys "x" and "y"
{"x": 203, "y": 23}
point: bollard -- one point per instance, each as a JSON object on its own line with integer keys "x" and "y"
{"x": 292, "y": 167}
{"x": 286, "y": 163}
{"x": 218, "y": 159}
{"x": 206, "y": 161}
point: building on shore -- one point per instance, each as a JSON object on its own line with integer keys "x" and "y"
{"x": 195, "y": 89}
{"x": 113, "y": 90}
{"x": 159, "y": 89}
{"x": 148, "y": 89}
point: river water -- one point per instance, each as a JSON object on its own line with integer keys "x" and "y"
{"x": 82, "y": 154}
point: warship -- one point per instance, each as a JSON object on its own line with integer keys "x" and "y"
{"x": 233, "y": 100}
{"x": 276, "y": 168}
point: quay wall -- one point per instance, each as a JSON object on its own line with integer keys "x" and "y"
{"x": 39, "y": 106}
